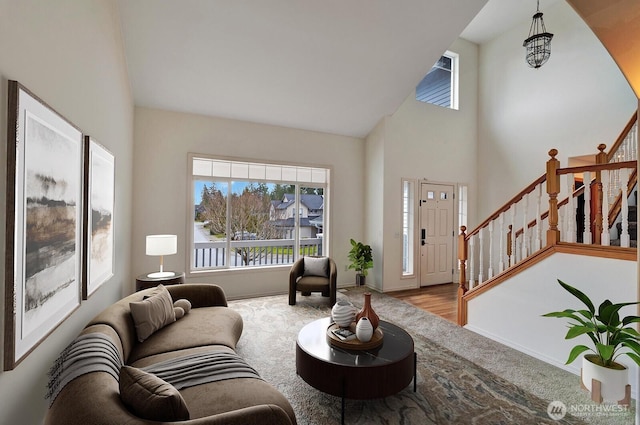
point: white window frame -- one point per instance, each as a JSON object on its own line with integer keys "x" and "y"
{"x": 202, "y": 167}
{"x": 408, "y": 219}
{"x": 455, "y": 79}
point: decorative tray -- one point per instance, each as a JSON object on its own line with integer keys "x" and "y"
{"x": 354, "y": 344}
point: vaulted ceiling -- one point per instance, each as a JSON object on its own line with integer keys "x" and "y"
{"x": 617, "y": 24}
{"x": 333, "y": 66}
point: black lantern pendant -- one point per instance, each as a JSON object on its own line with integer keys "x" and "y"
{"x": 538, "y": 43}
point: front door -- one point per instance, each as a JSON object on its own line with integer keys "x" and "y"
{"x": 436, "y": 233}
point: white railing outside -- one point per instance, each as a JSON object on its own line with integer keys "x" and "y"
{"x": 251, "y": 253}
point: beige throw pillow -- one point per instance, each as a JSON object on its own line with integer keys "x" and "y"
{"x": 150, "y": 397}
{"x": 152, "y": 313}
{"x": 316, "y": 266}
{"x": 184, "y": 304}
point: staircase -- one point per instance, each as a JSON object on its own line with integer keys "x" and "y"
{"x": 521, "y": 233}
{"x": 633, "y": 224}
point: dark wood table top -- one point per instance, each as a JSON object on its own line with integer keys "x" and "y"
{"x": 357, "y": 374}
{"x": 145, "y": 281}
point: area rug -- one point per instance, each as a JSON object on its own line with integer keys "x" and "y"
{"x": 451, "y": 389}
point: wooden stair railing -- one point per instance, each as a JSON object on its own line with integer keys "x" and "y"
{"x": 466, "y": 242}
{"x": 615, "y": 175}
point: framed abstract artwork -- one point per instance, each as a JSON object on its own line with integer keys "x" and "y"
{"x": 43, "y": 222}
{"x": 99, "y": 189}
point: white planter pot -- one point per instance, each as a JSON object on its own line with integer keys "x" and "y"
{"x": 613, "y": 381}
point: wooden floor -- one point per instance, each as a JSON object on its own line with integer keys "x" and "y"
{"x": 437, "y": 299}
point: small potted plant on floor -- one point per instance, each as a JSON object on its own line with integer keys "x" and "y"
{"x": 361, "y": 260}
{"x": 611, "y": 338}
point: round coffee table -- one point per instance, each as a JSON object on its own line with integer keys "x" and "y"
{"x": 356, "y": 374}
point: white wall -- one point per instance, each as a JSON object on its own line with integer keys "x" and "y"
{"x": 163, "y": 140}
{"x": 375, "y": 200}
{"x": 574, "y": 102}
{"x": 69, "y": 54}
{"x": 423, "y": 141}
{"x": 511, "y": 312}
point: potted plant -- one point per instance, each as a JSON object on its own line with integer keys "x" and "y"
{"x": 610, "y": 336}
{"x": 361, "y": 260}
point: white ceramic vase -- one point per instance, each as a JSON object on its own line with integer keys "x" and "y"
{"x": 364, "y": 330}
{"x": 614, "y": 381}
{"x": 343, "y": 313}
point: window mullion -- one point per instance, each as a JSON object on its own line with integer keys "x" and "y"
{"x": 227, "y": 254}
{"x": 296, "y": 223}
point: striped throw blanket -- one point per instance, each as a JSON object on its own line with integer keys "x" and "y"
{"x": 96, "y": 352}
{"x": 201, "y": 368}
{"x": 92, "y": 352}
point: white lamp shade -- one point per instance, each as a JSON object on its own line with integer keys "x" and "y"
{"x": 162, "y": 244}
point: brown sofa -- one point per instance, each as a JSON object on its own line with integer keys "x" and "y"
{"x": 94, "y": 398}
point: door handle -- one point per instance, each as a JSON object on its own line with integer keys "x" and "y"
{"x": 423, "y": 234}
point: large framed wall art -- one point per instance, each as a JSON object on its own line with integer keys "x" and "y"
{"x": 43, "y": 222}
{"x": 99, "y": 187}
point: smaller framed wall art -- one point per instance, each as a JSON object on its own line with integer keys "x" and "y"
{"x": 99, "y": 191}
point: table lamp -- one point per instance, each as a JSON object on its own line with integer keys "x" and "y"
{"x": 162, "y": 245}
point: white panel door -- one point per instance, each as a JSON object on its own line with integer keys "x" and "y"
{"x": 436, "y": 234}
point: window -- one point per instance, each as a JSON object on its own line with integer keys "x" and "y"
{"x": 407, "y": 227}
{"x": 245, "y": 213}
{"x": 440, "y": 85}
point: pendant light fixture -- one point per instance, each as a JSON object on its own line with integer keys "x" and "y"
{"x": 538, "y": 43}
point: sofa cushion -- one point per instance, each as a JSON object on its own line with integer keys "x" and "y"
{"x": 152, "y": 313}
{"x": 150, "y": 397}
{"x": 202, "y": 326}
{"x": 316, "y": 266}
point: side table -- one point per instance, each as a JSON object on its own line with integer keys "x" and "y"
{"x": 144, "y": 281}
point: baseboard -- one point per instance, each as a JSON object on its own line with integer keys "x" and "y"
{"x": 540, "y": 356}
{"x": 573, "y": 368}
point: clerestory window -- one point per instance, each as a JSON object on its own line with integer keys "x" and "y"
{"x": 244, "y": 213}
{"x": 440, "y": 85}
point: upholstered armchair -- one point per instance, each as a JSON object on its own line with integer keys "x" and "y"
{"x": 313, "y": 274}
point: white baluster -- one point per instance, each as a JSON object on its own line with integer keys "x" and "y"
{"x": 481, "y": 256}
{"x": 525, "y": 226}
{"x": 586, "y": 234}
{"x": 490, "y": 270}
{"x": 561, "y": 215}
{"x": 538, "y": 241}
{"x": 634, "y": 143}
{"x": 605, "y": 237}
{"x": 624, "y": 181}
{"x": 571, "y": 210}
{"x": 472, "y": 243}
{"x": 514, "y": 248}
{"x": 501, "y": 256}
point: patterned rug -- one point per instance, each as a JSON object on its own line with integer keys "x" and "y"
{"x": 451, "y": 389}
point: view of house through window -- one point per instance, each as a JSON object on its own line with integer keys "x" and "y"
{"x": 251, "y": 214}
{"x": 440, "y": 85}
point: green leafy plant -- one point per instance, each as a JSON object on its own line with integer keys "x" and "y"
{"x": 361, "y": 257}
{"x": 608, "y": 333}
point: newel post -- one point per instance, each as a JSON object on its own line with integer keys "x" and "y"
{"x": 462, "y": 288}
{"x": 553, "y": 188}
{"x": 597, "y": 198}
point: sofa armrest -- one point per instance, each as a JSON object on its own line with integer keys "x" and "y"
{"x": 199, "y": 294}
{"x": 264, "y": 414}
{"x": 94, "y": 398}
